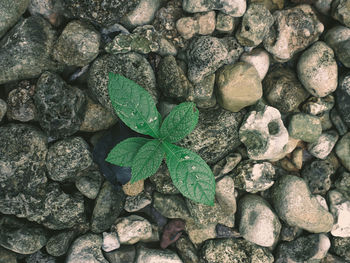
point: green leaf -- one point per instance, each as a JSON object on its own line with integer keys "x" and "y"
{"x": 180, "y": 122}
{"x": 190, "y": 174}
{"x": 124, "y": 152}
{"x": 147, "y": 160}
{"x": 134, "y": 105}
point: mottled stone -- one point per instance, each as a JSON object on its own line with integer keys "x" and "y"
{"x": 186, "y": 250}
{"x": 289, "y": 233}
{"x": 323, "y": 6}
{"x": 162, "y": 181}
{"x": 124, "y": 254}
{"x": 58, "y": 244}
{"x": 341, "y": 247}
{"x": 338, "y": 38}
{"x": 258, "y": 58}
{"x": 342, "y": 183}
{"x": 230, "y": 7}
{"x": 133, "y": 189}
{"x": 40, "y": 257}
{"x": 342, "y": 149}
{"x": 132, "y": 229}
{"x": 342, "y": 96}
{"x": 324, "y": 145}
{"x": 136, "y": 203}
{"x": 337, "y": 121}
{"x": 318, "y": 106}
{"x": 89, "y": 181}
{"x": 305, "y": 127}
{"x": 340, "y": 208}
{"x": 271, "y": 5}
{"x": 171, "y": 206}
{"x": 147, "y": 255}
{"x": 50, "y": 9}
{"x": 110, "y": 241}
{"x": 7, "y": 256}
{"x": 3, "y": 109}
{"x": 341, "y": 11}
{"x": 203, "y": 93}
{"x": 225, "y": 23}
{"x": 227, "y": 164}
{"x": 225, "y": 194}
{"x": 201, "y": 23}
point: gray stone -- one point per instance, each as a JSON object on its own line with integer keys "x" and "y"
{"x": 257, "y": 222}
{"x": 136, "y": 203}
{"x": 40, "y": 257}
{"x": 225, "y": 194}
{"x": 318, "y": 106}
{"x": 10, "y": 12}
{"x": 338, "y": 38}
{"x": 66, "y": 158}
{"x": 108, "y": 205}
{"x": 89, "y": 181}
{"x": 20, "y": 236}
{"x": 342, "y": 96}
{"x": 234, "y": 250}
{"x": 162, "y": 180}
{"x": 234, "y": 49}
{"x": 342, "y": 149}
{"x": 341, "y": 247}
{"x": 131, "y": 65}
{"x": 25, "y": 50}
{"x": 110, "y": 241}
{"x": 50, "y": 9}
{"x": 294, "y": 29}
{"x": 230, "y": 7}
{"x": 309, "y": 214}
{"x": 202, "y": 93}
{"x": 341, "y": 11}
{"x": 58, "y": 244}
{"x": 323, "y": 6}
{"x": 324, "y": 145}
{"x": 124, "y": 254}
{"x": 7, "y": 256}
{"x": 264, "y": 134}
{"x": 317, "y": 70}
{"x": 289, "y": 233}
{"x": 338, "y": 122}
{"x": 342, "y": 183}
{"x": 258, "y": 58}
{"x": 60, "y": 107}
{"x": 147, "y": 255}
{"x": 199, "y": 233}
{"x": 200, "y": 23}
{"x": 305, "y": 127}
{"x": 186, "y": 250}
{"x": 340, "y": 208}
{"x": 86, "y": 248}
{"x": 3, "y": 109}
{"x": 225, "y": 23}
{"x": 171, "y": 206}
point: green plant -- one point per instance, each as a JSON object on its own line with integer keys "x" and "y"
{"x": 136, "y": 108}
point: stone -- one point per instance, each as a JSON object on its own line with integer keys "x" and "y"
{"x": 131, "y": 65}
{"x": 305, "y": 127}
{"x": 108, "y": 206}
{"x": 58, "y": 244}
{"x": 40, "y": 257}
{"x": 256, "y": 23}
{"x": 289, "y": 233}
{"x": 258, "y": 58}
{"x": 136, "y": 203}
{"x": 341, "y": 12}
{"x": 264, "y": 134}
{"x": 132, "y": 229}
{"x": 60, "y": 107}
{"x": 133, "y": 189}
{"x": 318, "y": 176}
{"x": 50, "y": 9}
{"x": 7, "y": 256}
{"x": 86, "y": 248}
{"x": 124, "y": 254}
{"x": 233, "y": 48}
{"x": 89, "y": 181}
{"x": 311, "y": 248}
{"x": 21, "y": 236}
{"x": 252, "y": 176}
{"x": 340, "y": 208}
{"x": 226, "y": 165}
{"x": 162, "y": 180}
{"x": 225, "y": 194}
{"x": 317, "y": 70}
{"x": 338, "y": 38}
{"x": 220, "y": 130}
{"x": 171, "y": 206}
{"x": 148, "y": 255}
{"x": 283, "y": 90}
{"x": 3, "y": 109}
{"x": 186, "y": 250}
{"x": 342, "y": 183}
{"x": 238, "y": 86}
{"x": 323, "y": 6}
{"x": 286, "y": 194}
{"x": 10, "y": 13}
{"x": 342, "y": 96}
{"x": 200, "y": 23}
{"x": 342, "y": 149}
{"x": 337, "y": 121}
{"x": 199, "y": 233}
{"x": 66, "y": 158}
{"x": 257, "y": 222}
{"x": 187, "y": 27}
{"x": 317, "y": 106}
{"x": 172, "y": 232}
{"x": 25, "y": 50}
{"x": 225, "y": 23}
{"x": 341, "y": 247}
{"x": 77, "y": 45}
{"x": 324, "y": 145}
{"x": 202, "y": 93}
{"x": 234, "y": 250}
{"x": 110, "y": 241}
{"x": 233, "y": 8}
{"x": 294, "y": 30}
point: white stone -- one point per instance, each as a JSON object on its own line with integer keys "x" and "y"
{"x": 110, "y": 241}
{"x": 260, "y": 59}
{"x": 147, "y": 255}
{"x": 340, "y": 208}
{"x": 324, "y": 145}
{"x": 132, "y": 229}
{"x": 143, "y": 14}
{"x": 235, "y": 8}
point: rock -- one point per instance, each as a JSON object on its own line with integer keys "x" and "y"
{"x": 186, "y": 250}
{"x": 131, "y": 65}
{"x": 59, "y": 244}
{"x": 147, "y": 255}
{"x": 342, "y": 149}
{"x": 132, "y": 229}
{"x": 324, "y": 145}
{"x": 172, "y": 232}
{"x": 60, "y": 107}
{"x": 318, "y": 106}
{"x": 340, "y": 208}
{"x": 220, "y": 130}
{"x": 110, "y": 241}
{"x": 323, "y": 6}
{"x": 311, "y": 248}
{"x": 225, "y": 194}
{"x": 318, "y": 176}
{"x": 21, "y": 236}
{"x": 309, "y": 214}
{"x": 86, "y": 248}
{"x": 338, "y": 122}
{"x": 89, "y": 181}
{"x": 252, "y": 176}
{"x": 258, "y": 58}
{"x": 341, "y": 247}
{"x": 25, "y": 50}
{"x": 256, "y": 23}
{"x": 264, "y": 134}
{"x": 305, "y": 127}
{"x": 7, "y": 256}
{"x": 257, "y": 222}
{"x": 66, "y": 158}
{"x": 225, "y": 23}
{"x": 233, "y": 8}
{"x": 40, "y": 257}
{"x": 271, "y": 5}
{"x": 171, "y": 206}
{"x": 317, "y": 70}
{"x": 162, "y": 181}
{"x": 77, "y": 45}
{"x": 3, "y": 109}
{"x": 342, "y": 96}
{"x": 238, "y": 86}
{"x": 50, "y": 9}
{"x": 341, "y": 12}
{"x": 199, "y": 233}
{"x": 338, "y": 38}
{"x": 290, "y": 233}
{"x": 108, "y": 206}
{"x": 342, "y": 183}
{"x": 202, "y": 93}
{"x": 227, "y": 164}
{"x": 136, "y": 203}
{"x": 234, "y": 250}
{"x": 283, "y": 90}
{"x": 10, "y": 13}
{"x": 133, "y": 189}
{"x": 226, "y": 232}
{"x": 294, "y": 30}
{"x": 124, "y": 254}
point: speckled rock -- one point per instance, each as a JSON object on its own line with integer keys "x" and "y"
{"x": 10, "y": 12}
{"x": 147, "y": 255}
{"x": 110, "y": 241}
{"x": 317, "y": 70}
{"x": 77, "y": 45}
{"x": 311, "y": 248}
{"x": 225, "y": 23}
{"x": 264, "y": 134}
{"x": 309, "y": 214}
{"x": 89, "y": 181}
{"x": 305, "y": 127}
{"x": 25, "y": 50}
{"x": 60, "y": 107}
{"x": 338, "y": 38}
{"x": 294, "y": 29}
{"x": 186, "y": 250}
{"x": 108, "y": 206}
{"x": 238, "y": 86}
{"x": 342, "y": 149}
{"x": 124, "y": 254}
{"x": 283, "y": 90}
{"x": 20, "y": 236}
{"x": 201, "y": 23}
{"x": 234, "y": 250}
{"x": 341, "y": 11}
{"x": 131, "y": 65}
{"x": 132, "y": 229}
{"x": 341, "y": 247}
{"x": 171, "y": 206}
{"x": 203, "y": 93}
{"x": 86, "y": 248}
{"x": 257, "y": 222}
{"x": 340, "y": 208}
{"x": 324, "y": 145}
{"x": 3, "y": 109}
{"x": 136, "y": 203}
{"x": 343, "y": 98}
{"x": 233, "y": 8}
{"x": 58, "y": 244}
{"x": 258, "y": 58}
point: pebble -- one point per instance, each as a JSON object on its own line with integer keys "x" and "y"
{"x": 162, "y": 181}
{"x": 289, "y": 233}
{"x": 225, "y": 23}
{"x": 200, "y": 23}
{"x": 323, "y": 6}
{"x": 89, "y": 181}
{"x": 124, "y": 254}
{"x": 40, "y": 257}
{"x": 305, "y": 127}
{"x": 7, "y": 256}
{"x": 339, "y": 206}
{"x": 110, "y": 242}
{"x": 186, "y": 250}
{"x": 10, "y": 13}
{"x": 324, "y": 144}
{"x": 203, "y": 93}
{"x": 58, "y": 244}
{"x": 172, "y": 232}
{"x": 258, "y": 58}
{"x": 229, "y": 7}
{"x": 342, "y": 96}
{"x": 318, "y": 106}
{"x": 198, "y": 233}
{"x": 338, "y": 38}
{"x": 225, "y": 194}
{"x": 133, "y": 189}
{"x": 136, "y": 203}
{"x": 147, "y": 255}
{"x": 341, "y": 247}
{"x": 342, "y": 149}
{"x": 342, "y": 183}
{"x": 50, "y": 9}
{"x": 3, "y": 109}
{"x": 317, "y": 70}
{"x": 271, "y": 5}
{"x": 340, "y": 11}
{"x": 227, "y": 164}
{"x": 338, "y": 122}
{"x": 171, "y": 206}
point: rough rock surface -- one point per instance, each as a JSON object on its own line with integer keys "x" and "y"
{"x": 230, "y": 7}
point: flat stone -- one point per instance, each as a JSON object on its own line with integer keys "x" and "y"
{"x": 133, "y": 189}
{"x": 136, "y": 203}
{"x": 233, "y": 8}
{"x": 58, "y": 244}
{"x": 7, "y": 256}
{"x": 203, "y": 93}
{"x": 199, "y": 233}
{"x": 342, "y": 149}
{"x": 162, "y": 181}
{"x": 225, "y": 194}
{"x": 305, "y": 127}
